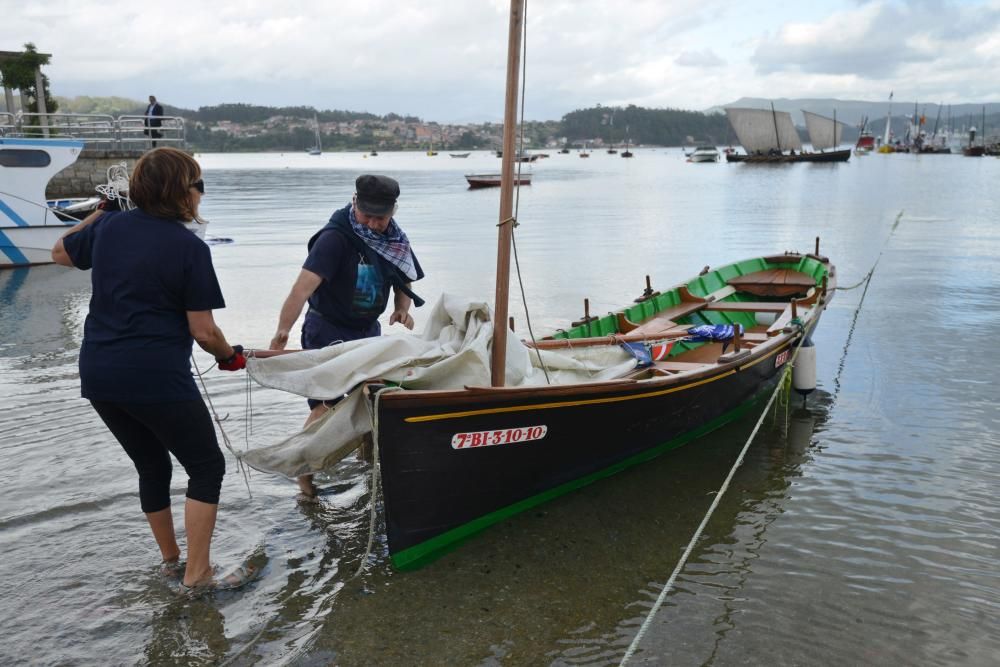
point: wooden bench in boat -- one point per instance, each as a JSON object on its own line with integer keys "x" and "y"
{"x": 774, "y": 282}
{"x": 748, "y": 306}
{"x": 663, "y": 321}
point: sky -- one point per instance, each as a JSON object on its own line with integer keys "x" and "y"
{"x": 445, "y": 60}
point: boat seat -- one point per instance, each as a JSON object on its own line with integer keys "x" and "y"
{"x": 749, "y": 306}
{"x": 660, "y": 322}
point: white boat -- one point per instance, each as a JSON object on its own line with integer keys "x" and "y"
{"x": 28, "y": 226}
{"x": 704, "y": 154}
{"x": 318, "y": 148}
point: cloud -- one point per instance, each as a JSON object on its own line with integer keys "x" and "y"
{"x": 877, "y": 39}
{"x": 446, "y": 60}
{"x": 703, "y": 58}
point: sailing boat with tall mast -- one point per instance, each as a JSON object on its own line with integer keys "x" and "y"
{"x": 886, "y": 146}
{"x": 461, "y": 443}
{"x": 766, "y": 134}
{"x": 824, "y": 132}
{"x": 972, "y": 150}
{"x": 318, "y": 148}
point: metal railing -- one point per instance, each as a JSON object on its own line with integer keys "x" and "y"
{"x": 99, "y": 131}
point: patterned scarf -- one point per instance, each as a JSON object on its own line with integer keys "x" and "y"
{"x": 392, "y": 245}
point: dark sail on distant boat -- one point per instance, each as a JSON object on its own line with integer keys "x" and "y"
{"x": 823, "y": 132}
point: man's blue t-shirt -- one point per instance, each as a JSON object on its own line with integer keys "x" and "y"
{"x": 355, "y": 290}
{"x": 147, "y": 272}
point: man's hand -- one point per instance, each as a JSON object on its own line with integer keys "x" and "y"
{"x": 401, "y": 316}
{"x": 280, "y": 340}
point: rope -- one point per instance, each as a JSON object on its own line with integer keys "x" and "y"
{"x": 782, "y": 385}
{"x": 715, "y": 503}
{"x": 116, "y": 189}
{"x": 517, "y": 196}
{"x": 218, "y": 420}
{"x": 376, "y": 469}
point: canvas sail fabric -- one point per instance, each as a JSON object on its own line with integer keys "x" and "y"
{"x": 452, "y": 352}
{"x": 823, "y": 132}
{"x": 755, "y": 129}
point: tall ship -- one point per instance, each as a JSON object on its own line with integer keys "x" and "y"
{"x": 769, "y": 136}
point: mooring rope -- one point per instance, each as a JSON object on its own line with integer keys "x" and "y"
{"x": 375, "y": 480}
{"x": 782, "y": 385}
{"x": 708, "y": 515}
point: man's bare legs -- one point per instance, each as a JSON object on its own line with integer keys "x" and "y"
{"x": 306, "y": 485}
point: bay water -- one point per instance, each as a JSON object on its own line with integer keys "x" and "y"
{"x": 863, "y": 527}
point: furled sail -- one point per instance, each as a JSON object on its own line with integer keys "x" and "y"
{"x": 764, "y": 130}
{"x": 823, "y": 132}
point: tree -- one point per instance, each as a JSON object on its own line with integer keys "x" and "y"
{"x": 19, "y": 73}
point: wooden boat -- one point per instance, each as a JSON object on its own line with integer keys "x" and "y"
{"x": 766, "y": 135}
{"x": 493, "y": 180}
{"x": 486, "y": 453}
{"x": 453, "y": 462}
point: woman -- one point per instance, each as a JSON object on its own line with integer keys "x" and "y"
{"x": 154, "y": 289}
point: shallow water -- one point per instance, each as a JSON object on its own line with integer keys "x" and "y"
{"x": 862, "y": 529}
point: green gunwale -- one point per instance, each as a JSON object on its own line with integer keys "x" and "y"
{"x": 417, "y": 556}
{"x": 700, "y": 286}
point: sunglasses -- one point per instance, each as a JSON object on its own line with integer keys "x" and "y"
{"x": 198, "y": 185}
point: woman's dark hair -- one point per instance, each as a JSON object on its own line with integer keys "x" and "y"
{"x": 161, "y": 183}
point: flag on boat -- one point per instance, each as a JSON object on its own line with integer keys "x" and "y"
{"x": 660, "y": 351}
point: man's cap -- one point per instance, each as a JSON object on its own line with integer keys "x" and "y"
{"x": 376, "y": 194}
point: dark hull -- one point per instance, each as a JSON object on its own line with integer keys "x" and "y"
{"x": 436, "y": 496}
{"x": 829, "y": 156}
{"x": 974, "y": 151}
{"x": 494, "y": 181}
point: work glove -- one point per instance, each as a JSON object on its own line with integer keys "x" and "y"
{"x": 235, "y": 362}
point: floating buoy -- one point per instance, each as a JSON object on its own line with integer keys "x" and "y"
{"x": 765, "y": 319}
{"x": 804, "y": 372}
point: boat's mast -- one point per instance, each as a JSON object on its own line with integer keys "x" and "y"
{"x": 777, "y": 137}
{"x": 505, "y": 234}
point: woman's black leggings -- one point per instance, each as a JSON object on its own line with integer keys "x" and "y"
{"x": 149, "y": 433}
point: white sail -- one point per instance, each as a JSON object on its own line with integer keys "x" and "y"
{"x": 764, "y": 130}
{"x": 823, "y": 132}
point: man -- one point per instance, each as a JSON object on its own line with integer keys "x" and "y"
{"x": 352, "y": 263}
{"x": 153, "y": 113}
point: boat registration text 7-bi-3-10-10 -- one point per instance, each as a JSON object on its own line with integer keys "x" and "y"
{"x": 503, "y": 436}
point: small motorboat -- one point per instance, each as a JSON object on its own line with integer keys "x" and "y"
{"x": 459, "y": 154}
{"x": 493, "y": 180}
{"x": 704, "y": 154}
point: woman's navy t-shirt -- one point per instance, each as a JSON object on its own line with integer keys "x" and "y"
{"x": 146, "y": 273}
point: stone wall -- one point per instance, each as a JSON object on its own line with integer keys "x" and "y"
{"x": 81, "y": 178}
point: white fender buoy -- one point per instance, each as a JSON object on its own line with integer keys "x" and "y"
{"x": 765, "y": 319}
{"x": 804, "y": 372}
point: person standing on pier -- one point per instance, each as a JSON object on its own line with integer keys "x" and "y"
{"x": 153, "y": 113}
{"x": 352, "y": 263}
